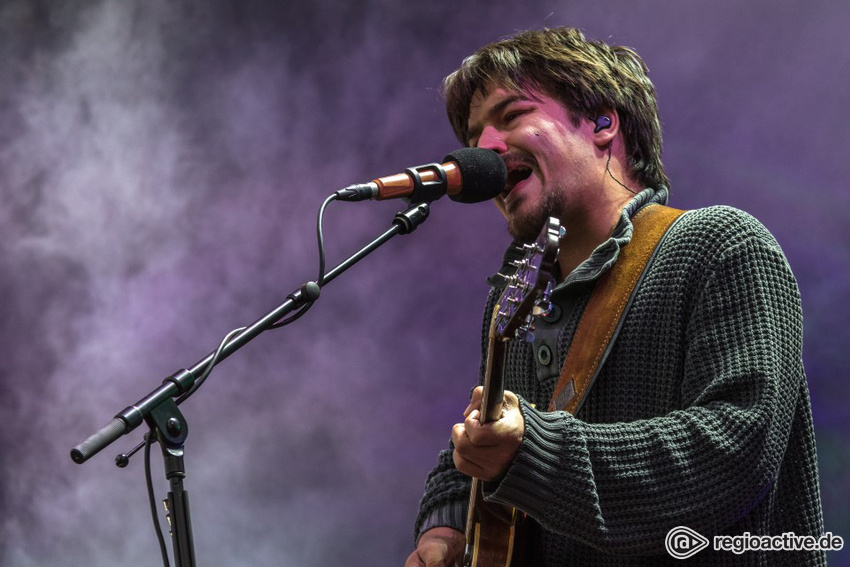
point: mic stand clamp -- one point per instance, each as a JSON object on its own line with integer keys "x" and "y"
{"x": 171, "y": 431}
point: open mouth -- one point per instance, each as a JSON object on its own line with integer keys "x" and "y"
{"x": 516, "y": 175}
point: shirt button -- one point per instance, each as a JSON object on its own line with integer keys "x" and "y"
{"x": 553, "y": 314}
{"x": 544, "y": 355}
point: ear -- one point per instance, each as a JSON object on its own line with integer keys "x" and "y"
{"x": 606, "y": 126}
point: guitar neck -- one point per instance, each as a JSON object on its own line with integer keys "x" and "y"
{"x": 491, "y": 528}
{"x": 494, "y": 381}
{"x": 491, "y": 409}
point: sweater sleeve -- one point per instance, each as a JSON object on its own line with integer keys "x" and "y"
{"x": 445, "y": 500}
{"x": 705, "y": 464}
{"x": 446, "y": 496}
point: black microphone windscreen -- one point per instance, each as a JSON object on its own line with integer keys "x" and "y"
{"x": 483, "y": 174}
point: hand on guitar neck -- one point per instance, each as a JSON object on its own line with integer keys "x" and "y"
{"x": 482, "y": 451}
{"x": 485, "y": 451}
{"x": 487, "y": 441}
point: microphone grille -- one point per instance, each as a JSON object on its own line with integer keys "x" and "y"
{"x": 483, "y": 174}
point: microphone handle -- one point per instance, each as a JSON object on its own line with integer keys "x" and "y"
{"x": 446, "y": 176}
{"x": 431, "y": 181}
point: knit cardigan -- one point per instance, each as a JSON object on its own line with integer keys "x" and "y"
{"x": 700, "y": 416}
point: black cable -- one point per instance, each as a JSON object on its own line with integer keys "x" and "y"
{"x": 149, "y": 437}
{"x": 212, "y": 363}
{"x": 298, "y": 314}
{"x": 292, "y": 318}
{"x": 608, "y": 169}
{"x": 320, "y": 236}
{"x": 148, "y": 442}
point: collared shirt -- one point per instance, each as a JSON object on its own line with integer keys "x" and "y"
{"x": 604, "y": 255}
{"x": 571, "y": 294}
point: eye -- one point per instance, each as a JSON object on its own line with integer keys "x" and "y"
{"x": 514, "y": 112}
{"x": 509, "y": 117}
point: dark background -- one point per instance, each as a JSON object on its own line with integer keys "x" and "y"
{"x": 161, "y": 165}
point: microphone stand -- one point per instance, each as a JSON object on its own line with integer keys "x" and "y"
{"x": 160, "y": 411}
{"x": 171, "y": 431}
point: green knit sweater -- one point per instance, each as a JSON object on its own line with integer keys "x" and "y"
{"x": 700, "y": 417}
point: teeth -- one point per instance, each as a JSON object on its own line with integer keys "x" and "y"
{"x": 517, "y": 175}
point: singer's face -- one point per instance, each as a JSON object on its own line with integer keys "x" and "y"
{"x": 550, "y": 160}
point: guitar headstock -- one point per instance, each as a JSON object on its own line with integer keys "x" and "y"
{"x": 530, "y": 287}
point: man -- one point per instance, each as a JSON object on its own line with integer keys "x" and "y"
{"x": 700, "y": 415}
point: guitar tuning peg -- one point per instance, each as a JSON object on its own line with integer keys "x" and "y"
{"x": 547, "y": 293}
{"x": 525, "y": 335}
{"x": 526, "y": 330}
{"x": 542, "y": 309}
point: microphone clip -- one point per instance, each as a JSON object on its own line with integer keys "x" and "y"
{"x": 427, "y": 191}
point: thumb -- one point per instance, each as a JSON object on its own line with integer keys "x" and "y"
{"x": 510, "y": 400}
{"x": 434, "y": 554}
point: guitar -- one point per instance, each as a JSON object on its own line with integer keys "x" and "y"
{"x": 491, "y": 529}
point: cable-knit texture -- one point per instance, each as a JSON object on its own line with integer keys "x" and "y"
{"x": 700, "y": 417}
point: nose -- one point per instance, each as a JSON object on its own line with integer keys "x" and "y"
{"x": 492, "y": 138}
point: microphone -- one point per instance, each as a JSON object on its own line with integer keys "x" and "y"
{"x": 468, "y": 175}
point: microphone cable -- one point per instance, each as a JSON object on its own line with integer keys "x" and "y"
{"x": 320, "y": 237}
{"x": 150, "y": 436}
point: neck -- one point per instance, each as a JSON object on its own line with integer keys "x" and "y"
{"x": 588, "y": 229}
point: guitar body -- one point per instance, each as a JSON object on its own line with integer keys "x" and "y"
{"x": 492, "y": 530}
{"x": 496, "y": 533}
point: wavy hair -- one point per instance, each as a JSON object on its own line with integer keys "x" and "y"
{"x": 587, "y": 77}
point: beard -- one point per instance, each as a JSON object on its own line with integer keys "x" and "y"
{"x": 526, "y": 227}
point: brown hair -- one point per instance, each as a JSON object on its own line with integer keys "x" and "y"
{"x": 587, "y": 77}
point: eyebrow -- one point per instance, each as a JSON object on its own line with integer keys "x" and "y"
{"x": 496, "y": 109}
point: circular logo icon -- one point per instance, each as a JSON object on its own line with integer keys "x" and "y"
{"x": 683, "y": 542}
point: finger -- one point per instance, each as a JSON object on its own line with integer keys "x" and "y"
{"x": 463, "y": 443}
{"x": 438, "y": 560}
{"x": 458, "y": 434}
{"x": 433, "y": 553}
{"x": 510, "y": 400}
{"x": 474, "y": 400}
{"x": 478, "y": 434}
{"x": 413, "y": 560}
{"x": 468, "y": 466}
{"x": 466, "y": 453}
{"x": 460, "y": 439}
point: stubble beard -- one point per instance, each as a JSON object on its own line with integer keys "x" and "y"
{"x": 525, "y": 228}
